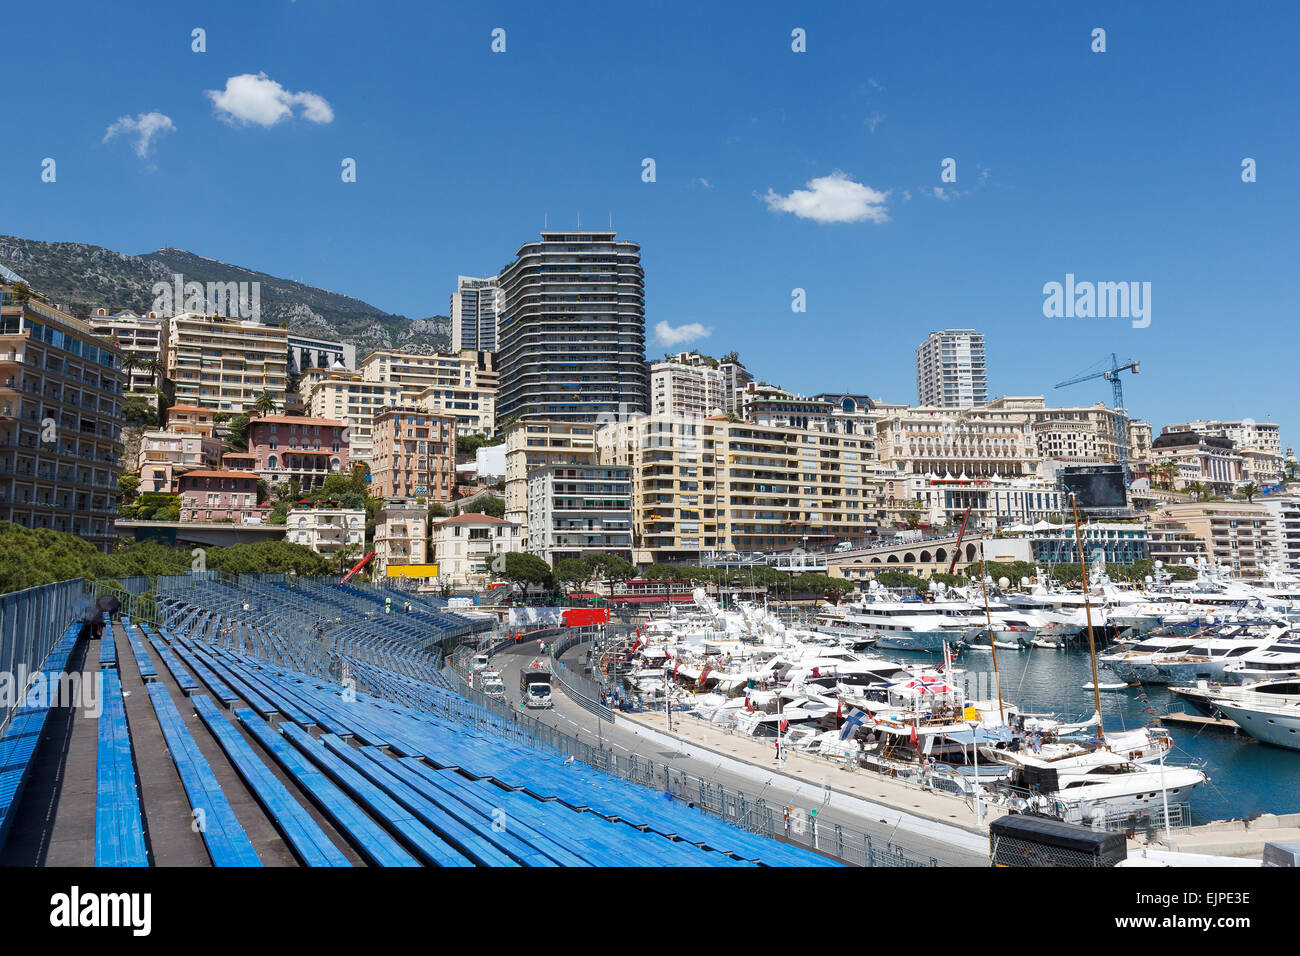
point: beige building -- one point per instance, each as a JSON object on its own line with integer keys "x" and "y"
{"x": 714, "y": 485}
{"x": 191, "y": 420}
{"x": 975, "y": 442}
{"x": 348, "y": 398}
{"x": 465, "y": 547}
{"x": 165, "y": 455}
{"x": 1241, "y": 536}
{"x": 463, "y": 384}
{"x": 401, "y": 534}
{"x": 60, "y": 421}
{"x": 414, "y": 455}
{"x": 225, "y": 364}
{"x": 536, "y": 443}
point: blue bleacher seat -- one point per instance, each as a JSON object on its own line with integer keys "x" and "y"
{"x": 119, "y": 826}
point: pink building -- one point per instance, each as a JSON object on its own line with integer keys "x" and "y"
{"x": 221, "y": 496}
{"x": 290, "y": 446}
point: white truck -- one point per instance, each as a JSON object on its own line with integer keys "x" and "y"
{"x": 490, "y": 683}
{"x": 535, "y": 685}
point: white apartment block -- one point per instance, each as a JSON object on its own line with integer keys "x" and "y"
{"x": 689, "y": 385}
{"x": 225, "y": 364}
{"x": 143, "y": 335}
{"x": 536, "y": 443}
{"x": 950, "y": 369}
{"x": 1285, "y": 513}
{"x": 327, "y": 531}
{"x": 307, "y": 352}
{"x": 579, "y": 509}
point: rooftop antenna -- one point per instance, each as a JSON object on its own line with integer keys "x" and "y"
{"x": 579, "y": 222}
{"x": 545, "y": 221}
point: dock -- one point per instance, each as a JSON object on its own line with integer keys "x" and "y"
{"x": 1200, "y": 722}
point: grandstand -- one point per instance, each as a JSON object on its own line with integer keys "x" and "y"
{"x": 264, "y": 722}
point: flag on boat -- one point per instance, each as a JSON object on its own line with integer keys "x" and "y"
{"x": 912, "y": 736}
{"x": 852, "y": 723}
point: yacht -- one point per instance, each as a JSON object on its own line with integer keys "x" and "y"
{"x": 1077, "y": 786}
{"x": 1268, "y": 711}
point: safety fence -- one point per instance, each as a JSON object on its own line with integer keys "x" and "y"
{"x": 730, "y": 804}
{"x": 31, "y": 622}
{"x": 138, "y": 607}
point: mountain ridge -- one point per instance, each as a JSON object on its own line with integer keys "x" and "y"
{"x": 82, "y": 277}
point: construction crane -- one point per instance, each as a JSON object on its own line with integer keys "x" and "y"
{"x": 1121, "y": 417}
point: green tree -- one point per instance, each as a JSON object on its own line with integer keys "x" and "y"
{"x": 494, "y": 506}
{"x": 1248, "y": 491}
{"x": 237, "y": 433}
{"x": 525, "y": 569}
{"x": 900, "y": 579}
{"x": 572, "y": 572}
{"x": 128, "y": 484}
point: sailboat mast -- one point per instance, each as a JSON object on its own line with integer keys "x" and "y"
{"x": 988, "y": 618}
{"x": 1087, "y": 607}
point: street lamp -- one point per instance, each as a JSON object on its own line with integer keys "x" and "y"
{"x": 974, "y": 746}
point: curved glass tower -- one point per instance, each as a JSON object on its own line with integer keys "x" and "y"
{"x": 571, "y": 328}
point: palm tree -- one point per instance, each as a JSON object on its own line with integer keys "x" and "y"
{"x": 265, "y": 404}
{"x": 1248, "y": 491}
{"x": 1165, "y": 469}
{"x": 130, "y": 363}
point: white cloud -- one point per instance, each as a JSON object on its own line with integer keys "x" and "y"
{"x": 666, "y": 334}
{"x": 261, "y": 100}
{"x": 833, "y": 198}
{"x": 701, "y": 181}
{"x": 874, "y": 120}
{"x": 144, "y": 127}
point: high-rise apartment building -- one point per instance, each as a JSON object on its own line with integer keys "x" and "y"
{"x": 144, "y": 336}
{"x": 689, "y": 385}
{"x": 715, "y": 485}
{"x": 579, "y": 509}
{"x": 950, "y": 371}
{"x": 60, "y": 421}
{"x": 533, "y": 444}
{"x": 474, "y": 314}
{"x": 571, "y": 329}
{"x": 225, "y": 364}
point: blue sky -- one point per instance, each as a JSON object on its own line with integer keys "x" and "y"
{"x": 1115, "y": 166}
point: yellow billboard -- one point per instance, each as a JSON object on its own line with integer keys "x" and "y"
{"x": 412, "y": 571}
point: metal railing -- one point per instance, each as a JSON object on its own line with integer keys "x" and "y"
{"x": 31, "y": 622}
